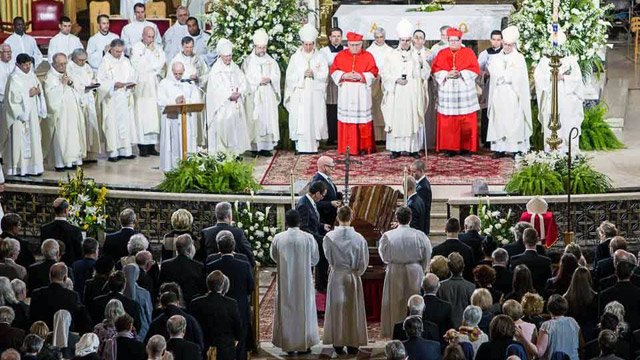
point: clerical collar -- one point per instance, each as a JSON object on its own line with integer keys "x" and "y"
{"x": 335, "y": 49}
{"x": 104, "y": 34}
{"x": 492, "y": 51}
{"x": 60, "y": 33}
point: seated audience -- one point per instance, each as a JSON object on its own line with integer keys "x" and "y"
{"x": 501, "y": 333}
{"x": 456, "y": 290}
{"x": 618, "y": 256}
{"x": 453, "y": 244}
{"x": 608, "y": 322}
{"x": 440, "y": 267}
{"x": 471, "y": 235}
{"x": 436, "y": 310}
{"x": 504, "y": 275}
{"x": 9, "y": 251}
{"x": 11, "y": 224}
{"x": 38, "y": 273}
{"x": 513, "y": 309}
{"x": 469, "y": 332}
{"x": 60, "y": 229}
{"x": 10, "y": 337}
{"x": 116, "y": 286}
{"x": 61, "y": 338}
{"x": 417, "y": 347}
{"x": 181, "y": 223}
{"x": 170, "y": 307}
{"x": 21, "y": 308}
{"x": 48, "y": 351}
{"x": 149, "y": 277}
{"x": 46, "y": 301}
{"x": 97, "y": 285}
{"x": 583, "y": 302}
{"x": 137, "y": 243}
{"x": 183, "y": 270}
{"x": 87, "y": 347}
{"x": 560, "y": 283}
{"x": 532, "y": 307}
{"x": 115, "y": 244}
{"x": 126, "y": 346}
{"x": 607, "y": 341}
{"x": 106, "y": 329}
{"x": 617, "y": 309}
{"x": 156, "y": 347}
{"x": 522, "y": 283}
{"x": 539, "y": 265}
{"x": 606, "y": 231}
{"x": 625, "y": 293}
{"x": 83, "y": 269}
{"x": 482, "y": 299}
{"x": 180, "y": 348}
{"x": 134, "y": 292}
{"x": 415, "y": 306}
{"x": 224, "y": 218}
{"x": 31, "y": 347}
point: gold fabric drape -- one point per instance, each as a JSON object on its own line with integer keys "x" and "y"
{"x": 9, "y": 9}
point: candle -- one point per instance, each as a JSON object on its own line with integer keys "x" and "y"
{"x": 556, "y": 4}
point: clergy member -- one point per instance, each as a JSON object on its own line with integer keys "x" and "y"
{"x": 455, "y": 69}
{"x": 345, "y": 320}
{"x": 263, "y": 76}
{"x": 330, "y": 51}
{"x": 24, "y": 107}
{"x": 570, "y": 97}
{"x": 201, "y": 42}
{"x": 83, "y": 79}
{"x": 509, "y": 112}
{"x": 421, "y": 54}
{"x": 407, "y": 252}
{"x": 403, "y": 102}
{"x": 6, "y": 68}
{"x": 64, "y": 42}
{"x": 226, "y": 91}
{"x": 22, "y": 43}
{"x": 304, "y": 94}
{"x": 132, "y": 32}
{"x": 483, "y": 80}
{"x": 63, "y": 132}
{"x": 127, "y": 8}
{"x": 117, "y": 78}
{"x": 98, "y": 44}
{"x": 295, "y": 320}
{"x": 172, "y": 38}
{"x": 354, "y": 71}
{"x": 173, "y": 91}
{"x": 148, "y": 60}
{"x": 379, "y": 49}
{"x": 442, "y": 44}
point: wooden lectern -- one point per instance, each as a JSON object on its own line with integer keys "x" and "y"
{"x": 183, "y": 109}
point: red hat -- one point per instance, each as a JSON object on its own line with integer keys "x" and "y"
{"x": 351, "y": 36}
{"x": 454, "y": 32}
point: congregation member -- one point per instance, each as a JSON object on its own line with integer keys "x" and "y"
{"x": 625, "y": 293}
{"x": 46, "y": 301}
{"x": 354, "y": 71}
{"x": 606, "y": 231}
{"x": 115, "y": 245}
{"x": 32, "y": 345}
{"x": 22, "y": 43}
{"x": 170, "y": 308}
{"x": 176, "y": 344}
{"x": 583, "y": 302}
{"x": 415, "y": 307}
{"x": 606, "y": 266}
{"x": 64, "y": 42}
{"x": 471, "y": 235}
{"x": 38, "y": 273}
{"x": 100, "y": 43}
{"x": 484, "y": 80}
{"x": 456, "y": 290}
{"x": 416, "y": 346}
{"x": 304, "y": 93}
{"x": 423, "y": 188}
{"x": 263, "y": 97}
{"x": 216, "y": 256}
{"x": 517, "y": 247}
{"x": 61, "y": 229}
{"x": 84, "y": 268}
{"x": 10, "y": 337}
{"x": 141, "y": 296}
{"x": 124, "y": 346}
{"x": 436, "y": 310}
{"x": 501, "y": 334}
{"x": 183, "y": 270}
{"x": 417, "y": 206}
{"x": 379, "y": 49}
{"x": 504, "y": 275}
{"x": 9, "y": 249}
{"x": 539, "y": 266}
{"x": 11, "y": 225}
{"x": 201, "y": 42}
{"x": 224, "y": 220}
{"x": 86, "y": 348}
{"x": 172, "y": 38}
{"x": 116, "y": 285}
{"x": 330, "y": 51}
{"x": 132, "y": 32}
{"x": 453, "y": 244}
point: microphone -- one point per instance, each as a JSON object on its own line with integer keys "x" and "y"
{"x": 186, "y": 81}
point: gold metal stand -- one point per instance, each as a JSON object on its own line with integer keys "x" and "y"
{"x": 255, "y": 304}
{"x": 326, "y": 12}
{"x": 554, "y": 124}
{"x": 568, "y": 237}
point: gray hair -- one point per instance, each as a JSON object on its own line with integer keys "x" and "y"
{"x": 137, "y": 243}
{"x": 50, "y": 249}
{"x": 32, "y": 344}
{"x": 500, "y": 255}
{"x": 7, "y": 314}
{"x": 113, "y": 310}
{"x": 176, "y": 325}
{"x": 14, "y": 246}
{"x": 225, "y": 241}
{"x": 430, "y": 283}
{"x": 519, "y": 228}
{"x": 412, "y": 325}
{"x": 7, "y": 296}
{"x": 56, "y": 56}
{"x": 394, "y": 350}
{"x": 10, "y": 354}
{"x": 127, "y": 216}
{"x": 5, "y": 45}
{"x": 156, "y": 345}
{"x": 471, "y": 316}
{"x": 19, "y": 287}
{"x": 223, "y": 211}
{"x": 380, "y": 31}
{"x": 184, "y": 245}
{"x": 78, "y": 52}
{"x": 415, "y": 305}
{"x": 472, "y": 222}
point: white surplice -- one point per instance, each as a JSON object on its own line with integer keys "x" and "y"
{"x": 379, "y": 53}
{"x": 422, "y": 57}
{"x": 407, "y": 253}
{"x": 172, "y": 40}
{"x": 201, "y": 48}
{"x": 295, "y": 321}
{"x": 263, "y": 100}
{"x": 126, "y": 8}
{"x": 195, "y": 65}
{"x": 24, "y": 44}
{"x": 345, "y": 320}
{"x": 132, "y": 33}
{"x": 95, "y": 48}
{"x": 6, "y": 68}
{"x": 304, "y": 99}
{"x": 148, "y": 62}
{"x": 64, "y": 44}
{"x": 83, "y": 76}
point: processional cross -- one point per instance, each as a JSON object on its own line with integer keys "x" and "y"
{"x": 346, "y": 194}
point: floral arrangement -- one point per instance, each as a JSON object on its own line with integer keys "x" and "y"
{"x": 237, "y": 20}
{"x": 435, "y": 5}
{"x": 583, "y": 22}
{"x": 86, "y": 202}
{"x": 494, "y": 224}
{"x": 255, "y": 225}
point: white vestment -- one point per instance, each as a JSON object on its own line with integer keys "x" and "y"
{"x": 126, "y": 8}
{"x": 403, "y": 105}
{"x": 148, "y": 62}
{"x": 570, "y": 99}
{"x": 332, "y": 88}
{"x": 24, "y": 44}
{"x": 171, "y": 126}
{"x": 354, "y": 98}
{"x": 83, "y": 76}
{"x": 195, "y": 65}
{"x": 379, "y": 53}
{"x": 435, "y": 49}
{"x": 95, "y": 48}
{"x": 484, "y": 81}
{"x": 20, "y": 133}
{"x": 295, "y": 321}
{"x": 262, "y": 101}
{"x": 509, "y": 106}
{"x": 132, "y": 33}
{"x": 304, "y": 99}
{"x": 201, "y": 48}
{"x": 422, "y": 57}
{"x": 196, "y": 9}
{"x": 407, "y": 252}
{"x": 117, "y": 105}
{"x": 63, "y": 132}
{"x": 172, "y": 40}
{"x": 345, "y": 320}
{"x": 227, "y": 130}
{"x": 64, "y": 44}
{"x": 5, "y": 70}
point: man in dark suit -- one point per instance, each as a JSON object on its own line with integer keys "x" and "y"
{"x": 213, "y": 257}
{"x": 625, "y": 293}
{"x": 328, "y": 206}
{"x": 504, "y": 275}
{"x": 11, "y": 224}
{"x": 61, "y": 229}
{"x": 415, "y": 306}
{"x": 415, "y": 203}
{"x": 517, "y": 247}
{"x": 423, "y": 189}
{"x": 606, "y": 231}
{"x": 10, "y": 337}
{"x": 116, "y": 284}
{"x": 115, "y": 244}
{"x": 242, "y": 284}
{"x": 453, "y": 244}
{"x": 149, "y": 273}
{"x": 436, "y": 310}
{"x": 540, "y": 266}
{"x": 183, "y": 270}
{"x": 127, "y": 347}
{"x": 310, "y": 223}
{"x": 224, "y": 217}
{"x": 170, "y": 305}
{"x": 97, "y": 285}
{"x": 219, "y": 317}
{"x": 605, "y": 266}
{"x": 156, "y": 347}
{"x": 416, "y": 346}
{"x": 177, "y": 345}
{"x": 83, "y": 269}
{"x": 38, "y": 273}
{"x": 471, "y": 236}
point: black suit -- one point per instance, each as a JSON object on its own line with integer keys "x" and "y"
{"x": 93, "y": 288}
{"x": 473, "y": 239}
{"x": 130, "y": 349}
{"x": 310, "y": 223}
{"x": 504, "y": 279}
{"x": 430, "y": 331}
{"x": 183, "y": 349}
{"x": 603, "y": 270}
{"x": 540, "y": 267}
{"x": 158, "y": 326}
{"x": 418, "y": 213}
{"x": 45, "y": 301}
{"x": 627, "y": 294}
{"x": 209, "y": 241}
{"x": 422, "y": 349}
{"x": 220, "y": 321}
{"x": 25, "y": 258}
{"x": 423, "y": 189}
{"x": 455, "y": 245}
{"x": 188, "y": 273}
{"x": 115, "y": 245}
{"x": 517, "y": 248}
{"x": 602, "y": 252}
{"x": 131, "y": 307}
{"x": 611, "y": 280}
{"x": 437, "y": 311}
{"x": 215, "y": 257}
{"x": 327, "y": 212}
{"x": 69, "y": 234}
{"x": 10, "y": 337}
{"x": 38, "y": 275}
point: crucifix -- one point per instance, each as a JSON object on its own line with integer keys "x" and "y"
{"x": 347, "y": 164}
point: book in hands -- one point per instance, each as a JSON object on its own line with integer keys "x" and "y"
{"x": 92, "y": 86}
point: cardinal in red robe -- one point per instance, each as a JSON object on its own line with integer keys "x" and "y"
{"x": 455, "y": 69}
{"x": 354, "y": 70}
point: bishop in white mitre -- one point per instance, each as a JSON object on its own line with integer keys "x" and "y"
{"x": 304, "y": 94}
{"x": 403, "y": 103}
{"x": 98, "y": 44}
{"x": 117, "y": 78}
{"x": 132, "y": 32}
{"x": 64, "y": 42}
{"x": 24, "y": 106}
{"x": 330, "y": 51}
{"x": 172, "y": 38}
{"x": 379, "y": 49}
{"x": 570, "y": 97}
{"x": 263, "y": 76}
{"x": 173, "y": 91}
{"x": 83, "y": 79}
{"x": 148, "y": 61}
{"x": 509, "y": 104}
{"x": 63, "y": 132}
{"x": 226, "y": 94}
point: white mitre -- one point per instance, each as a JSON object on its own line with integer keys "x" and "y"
{"x": 511, "y": 35}
{"x": 260, "y": 37}
{"x": 404, "y": 29}
{"x": 224, "y": 47}
{"x": 308, "y": 33}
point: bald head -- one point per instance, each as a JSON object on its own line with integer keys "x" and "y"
{"x": 415, "y": 305}
{"x": 5, "y": 53}
{"x": 178, "y": 70}
{"x": 182, "y": 14}
{"x": 325, "y": 165}
{"x": 148, "y": 35}
{"x": 60, "y": 206}
{"x": 58, "y": 273}
{"x": 60, "y": 63}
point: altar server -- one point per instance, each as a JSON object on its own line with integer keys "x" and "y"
{"x": 172, "y": 91}
{"x": 354, "y": 71}
{"x": 263, "y": 75}
{"x": 24, "y": 107}
{"x": 115, "y": 96}
{"x": 407, "y": 252}
{"x": 98, "y": 44}
{"x": 226, "y": 95}
{"x": 64, "y": 119}
{"x": 201, "y": 42}
{"x": 172, "y": 38}
{"x": 64, "y": 42}
{"x": 127, "y": 8}
{"x": 22, "y": 43}
{"x": 6, "y": 68}
{"x": 304, "y": 94}
{"x": 403, "y": 102}
{"x": 570, "y": 97}
{"x": 483, "y": 80}
{"x": 379, "y": 49}
{"x": 509, "y": 126}
{"x": 132, "y": 32}
{"x": 330, "y": 51}
{"x": 455, "y": 69}
{"x": 442, "y": 44}
{"x": 148, "y": 60}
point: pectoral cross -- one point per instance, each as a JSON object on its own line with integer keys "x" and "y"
{"x": 346, "y": 194}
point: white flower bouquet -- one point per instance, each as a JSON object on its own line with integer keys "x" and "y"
{"x": 495, "y": 224}
{"x": 257, "y": 229}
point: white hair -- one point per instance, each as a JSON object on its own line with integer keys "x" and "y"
{"x": 380, "y": 31}
{"x": 137, "y": 243}
{"x": 471, "y": 316}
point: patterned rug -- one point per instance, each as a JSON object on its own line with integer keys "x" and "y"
{"x": 379, "y": 169}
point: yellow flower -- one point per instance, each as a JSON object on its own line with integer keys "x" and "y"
{"x": 78, "y": 214}
{"x": 85, "y": 226}
{"x": 94, "y": 218}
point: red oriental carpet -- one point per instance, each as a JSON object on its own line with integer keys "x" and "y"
{"x": 379, "y": 169}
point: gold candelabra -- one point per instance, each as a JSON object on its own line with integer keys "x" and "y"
{"x": 554, "y": 124}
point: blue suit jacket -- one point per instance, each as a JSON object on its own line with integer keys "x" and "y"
{"x": 422, "y": 349}
{"x": 418, "y": 214}
{"x": 309, "y": 221}
{"x": 240, "y": 279}
{"x": 327, "y": 212}
{"x": 424, "y": 191}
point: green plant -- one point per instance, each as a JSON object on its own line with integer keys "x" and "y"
{"x": 86, "y": 202}
{"x": 258, "y": 229}
{"x": 585, "y": 180}
{"x": 596, "y": 134}
{"x": 535, "y": 179}
{"x": 494, "y": 224}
